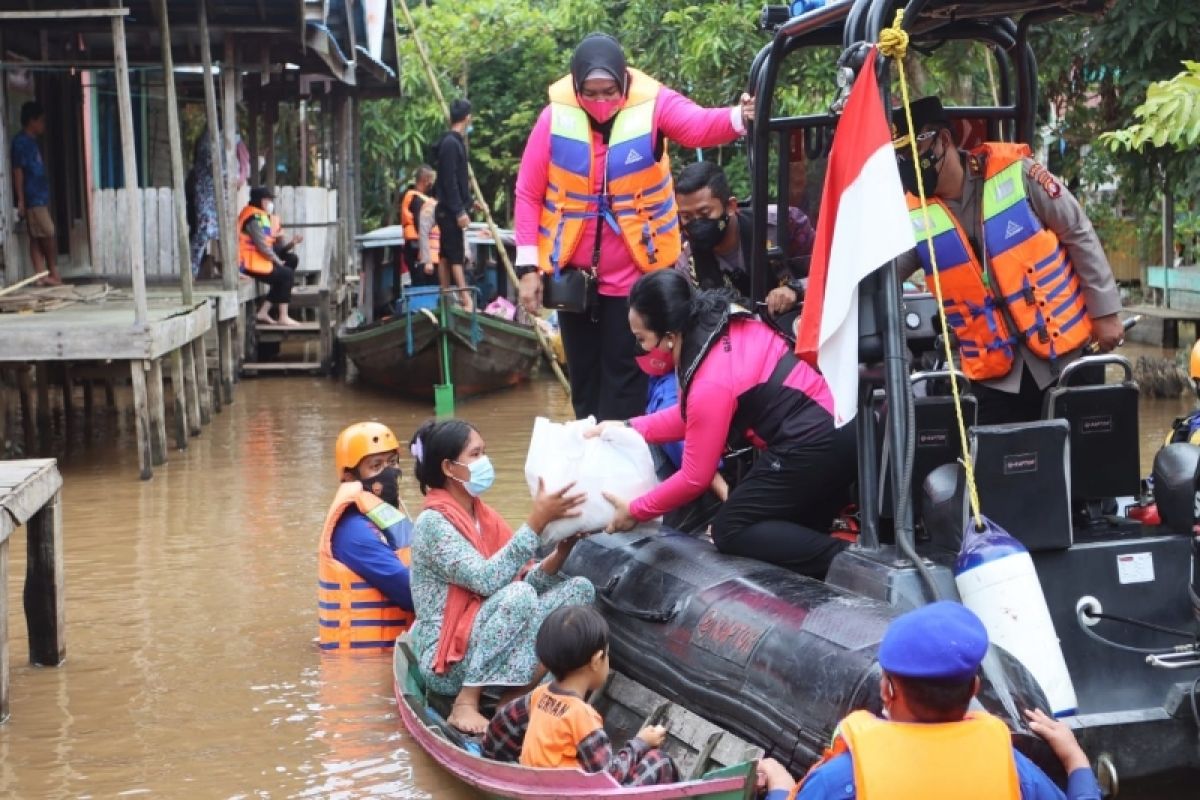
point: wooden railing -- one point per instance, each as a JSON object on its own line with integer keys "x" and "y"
{"x": 305, "y": 209}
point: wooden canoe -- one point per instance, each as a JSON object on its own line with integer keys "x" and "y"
{"x": 734, "y": 781}
{"x": 402, "y": 353}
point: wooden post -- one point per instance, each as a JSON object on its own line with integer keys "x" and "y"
{"x": 229, "y": 77}
{"x": 41, "y": 373}
{"x": 225, "y": 356}
{"x": 214, "y": 371}
{"x": 28, "y": 420}
{"x": 270, "y": 115}
{"x": 225, "y": 217}
{"x": 179, "y": 398}
{"x": 110, "y": 394}
{"x": 44, "y": 595}
{"x": 158, "y": 413}
{"x": 4, "y": 628}
{"x": 68, "y": 396}
{"x": 252, "y": 137}
{"x": 141, "y": 418}
{"x": 191, "y": 390}
{"x": 177, "y": 174}
{"x": 202, "y": 386}
{"x": 129, "y": 158}
{"x": 7, "y": 221}
{"x": 304, "y": 143}
{"x": 89, "y": 400}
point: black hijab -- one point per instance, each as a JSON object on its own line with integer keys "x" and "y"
{"x": 599, "y": 51}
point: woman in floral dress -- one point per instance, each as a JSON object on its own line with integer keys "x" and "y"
{"x": 478, "y": 593}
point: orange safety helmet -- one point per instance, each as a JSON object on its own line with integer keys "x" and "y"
{"x": 360, "y": 440}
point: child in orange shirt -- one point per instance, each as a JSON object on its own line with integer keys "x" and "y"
{"x": 553, "y": 726}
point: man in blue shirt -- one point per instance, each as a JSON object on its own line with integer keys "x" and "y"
{"x": 33, "y": 191}
{"x": 929, "y": 746}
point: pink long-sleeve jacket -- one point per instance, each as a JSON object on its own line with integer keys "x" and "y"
{"x": 676, "y": 118}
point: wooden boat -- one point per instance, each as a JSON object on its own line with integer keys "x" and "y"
{"x": 403, "y": 352}
{"x": 722, "y": 767}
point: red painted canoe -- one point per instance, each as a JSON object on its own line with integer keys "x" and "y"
{"x": 496, "y": 779}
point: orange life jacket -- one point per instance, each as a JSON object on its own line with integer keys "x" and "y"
{"x": 557, "y": 724}
{"x": 1030, "y": 292}
{"x": 407, "y": 218}
{"x": 250, "y": 260}
{"x": 915, "y": 761}
{"x": 353, "y": 615}
{"x": 637, "y": 194}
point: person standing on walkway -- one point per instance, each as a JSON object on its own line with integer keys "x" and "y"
{"x": 452, "y": 190}
{"x": 33, "y": 191}
{"x": 595, "y": 196}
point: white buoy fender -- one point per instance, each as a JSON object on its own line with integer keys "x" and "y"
{"x": 996, "y": 579}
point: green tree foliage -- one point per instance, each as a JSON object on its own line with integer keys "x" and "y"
{"x": 1169, "y": 117}
{"x": 1094, "y": 74}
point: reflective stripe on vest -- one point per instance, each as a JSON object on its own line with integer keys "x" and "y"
{"x": 1036, "y": 292}
{"x": 638, "y": 200}
{"x": 352, "y": 615}
{"x": 914, "y": 761}
{"x": 249, "y": 259}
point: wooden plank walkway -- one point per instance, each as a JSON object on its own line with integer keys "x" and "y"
{"x": 1171, "y": 318}
{"x": 30, "y": 496}
{"x": 106, "y": 333}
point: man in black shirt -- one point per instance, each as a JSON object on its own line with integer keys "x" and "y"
{"x": 453, "y": 194}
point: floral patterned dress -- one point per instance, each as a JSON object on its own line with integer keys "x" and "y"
{"x": 500, "y": 651}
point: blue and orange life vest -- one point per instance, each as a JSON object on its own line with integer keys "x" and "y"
{"x": 916, "y": 761}
{"x": 352, "y": 615}
{"x": 638, "y": 197}
{"x": 250, "y": 260}
{"x": 1029, "y": 292}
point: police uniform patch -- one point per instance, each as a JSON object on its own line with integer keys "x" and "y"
{"x": 1042, "y": 177}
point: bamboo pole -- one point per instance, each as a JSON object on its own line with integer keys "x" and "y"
{"x": 224, "y": 217}
{"x": 132, "y": 196}
{"x": 176, "y": 146}
{"x": 431, "y": 77}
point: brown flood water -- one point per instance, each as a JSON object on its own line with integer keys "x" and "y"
{"x": 192, "y": 668}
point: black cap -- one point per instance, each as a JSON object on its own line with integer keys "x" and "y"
{"x": 926, "y": 111}
{"x": 260, "y": 193}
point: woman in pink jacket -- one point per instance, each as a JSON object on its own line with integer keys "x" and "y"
{"x": 594, "y": 195}
{"x": 739, "y": 381}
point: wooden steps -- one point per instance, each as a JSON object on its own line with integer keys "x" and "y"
{"x": 302, "y": 329}
{"x": 282, "y": 366}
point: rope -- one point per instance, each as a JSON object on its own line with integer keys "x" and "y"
{"x": 893, "y": 43}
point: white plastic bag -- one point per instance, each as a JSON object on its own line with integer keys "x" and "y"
{"x": 619, "y": 462}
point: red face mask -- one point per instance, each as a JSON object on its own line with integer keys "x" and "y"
{"x": 657, "y": 362}
{"x": 601, "y": 110}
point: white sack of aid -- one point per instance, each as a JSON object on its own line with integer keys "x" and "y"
{"x": 619, "y": 462}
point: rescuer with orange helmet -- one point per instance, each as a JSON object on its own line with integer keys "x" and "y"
{"x": 363, "y": 596}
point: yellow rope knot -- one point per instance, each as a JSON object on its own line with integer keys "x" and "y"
{"x": 893, "y": 41}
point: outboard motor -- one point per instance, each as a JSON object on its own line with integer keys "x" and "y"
{"x": 1174, "y": 476}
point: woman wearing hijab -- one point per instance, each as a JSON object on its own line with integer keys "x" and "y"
{"x": 594, "y": 195}
{"x": 478, "y": 593}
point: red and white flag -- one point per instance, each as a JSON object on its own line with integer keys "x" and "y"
{"x": 863, "y": 224}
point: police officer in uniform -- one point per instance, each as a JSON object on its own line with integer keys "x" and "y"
{"x": 1027, "y": 282}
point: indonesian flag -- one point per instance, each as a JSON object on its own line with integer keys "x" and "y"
{"x": 863, "y": 224}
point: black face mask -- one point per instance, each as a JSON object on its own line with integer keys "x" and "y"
{"x": 704, "y": 233}
{"x": 385, "y": 486}
{"x": 931, "y": 167}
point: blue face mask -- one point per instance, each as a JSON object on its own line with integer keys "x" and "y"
{"x": 483, "y": 475}
{"x": 469, "y": 129}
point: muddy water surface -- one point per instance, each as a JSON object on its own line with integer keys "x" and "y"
{"x": 192, "y": 669}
